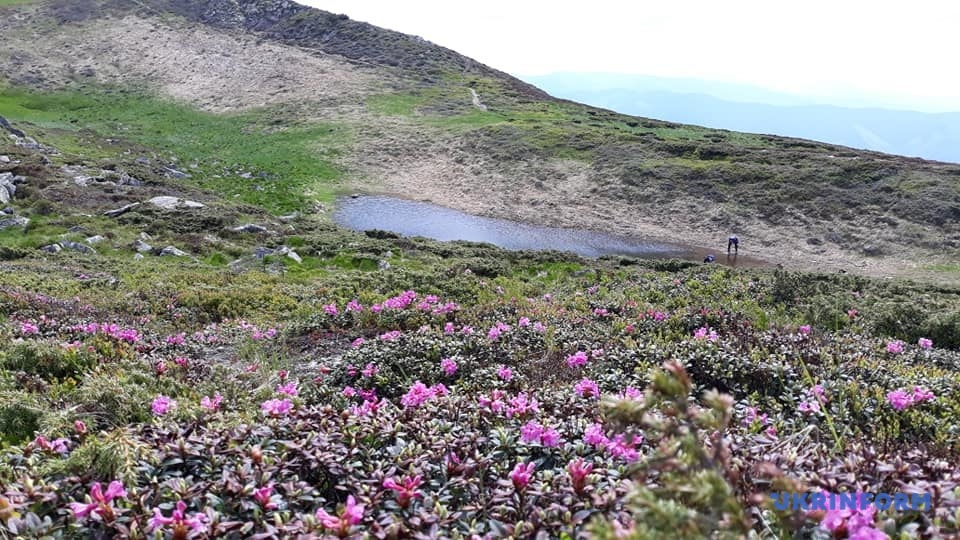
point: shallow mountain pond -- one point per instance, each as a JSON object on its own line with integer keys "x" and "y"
{"x": 412, "y": 218}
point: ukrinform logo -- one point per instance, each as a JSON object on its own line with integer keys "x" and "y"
{"x": 903, "y": 502}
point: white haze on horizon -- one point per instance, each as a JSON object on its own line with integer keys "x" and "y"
{"x": 897, "y": 55}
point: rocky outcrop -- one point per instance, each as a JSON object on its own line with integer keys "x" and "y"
{"x": 172, "y": 203}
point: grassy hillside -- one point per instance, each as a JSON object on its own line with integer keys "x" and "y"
{"x": 226, "y": 363}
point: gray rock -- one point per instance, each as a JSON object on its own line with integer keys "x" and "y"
{"x": 289, "y": 217}
{"x": 171, "y": 251}
{"x": 7, "y": 210}
{"x": 171, "y": 203}
{"x": 52, "y": 248}
{"x": 383, "y": 264}
{"x": 872, "y": 251}
{"x": 141, "y": 247}
{"x": 145, "y": 236}
{"x": 249, "y": 228}
{"x": 78, "y": 247}
{"x": 122, "y": 210}
{"x": 814, "y": 241}
{"x": 95, "y": 239}
{"x": 138, "y": 257}
{"x": 4, "y": 159}
{"x": 78, "y": 229}
{"x": 262, "y": 252}
{"x": 173, "y": 173}
{"x": 143, "y": 160}
{"x": 293, "y": 255}
{"x": 18, "y": 221}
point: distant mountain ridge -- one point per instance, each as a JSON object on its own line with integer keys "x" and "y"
{"x": 755, "y": 110}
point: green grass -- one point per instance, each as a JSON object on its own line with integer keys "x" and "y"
{"x": 285, "y": 164}
{"x": 395, "y": 104}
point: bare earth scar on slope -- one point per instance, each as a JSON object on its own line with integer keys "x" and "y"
{"x": 206, "y": 67}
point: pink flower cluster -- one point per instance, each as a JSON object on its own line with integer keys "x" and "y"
{"x": 819, "y": 398}
{"x": 587, "y": 388}
{"x": 534, "y": 432}
{"x": 101, "y": 504}
{"x": 704, "y": 333}
{"x": 420, "y": 393}
{"x": 405, "y": 488}
{"x": 56, "y": 446}
{"x": 497, "y": 330}
{"x": 331, "y": 309}
{"x": 578, "y": 474}
{"x": 657, "y": 316}
{"x": 620, "y": 445}
{"x": 449, "y": 366}
{"x": 389, "y": 336}
{"x": 289, "y": 389}
{"x": 577, "y": 359}
{"x": 858, "y": 523}
{"x": 277, "y": 407}
{"x": 504, "y": 373}
{"x": 519, "y": 405}
{"x": 521, "y": 475}
{"x": 211, "y": 404}
{"x": 162, "y": 405}
{"x": 925, "y": 343}
{"x": 751, "y": 418}
{"x": 895, "y": 347}
{"x": 401, "y": 301}
{"x": 354, "y": 305}
{"x": 113, "y": 330}
{"x": 352, "y": 514}
{"x": 182, "y": 525}
{"x": 28, "y": 329}
{"x": 901, "y": 399}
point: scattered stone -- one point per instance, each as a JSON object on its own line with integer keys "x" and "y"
{"x": 293, "y": 255}
{"x": 141, "y": 247}
{"x": 7, "y": 210}
{"x": 872, "y": 251}
{"x": 814, "y": 241}
{"x": 143, "y": 160}
{"x": 7, "y": 187}
{"x": 122, "y": 210}
{"x": 249, "y": 228}
{"x": 180, "y": 175}
{"x": 167, "y": 202}
{"x": 78, "y": 247}
{"x": 18, "y": 221}
{"x": 52, "y": 248}
{"x": 4, "y": 159}
{"x": 171, "y": 251}
{"x": 138, "y": 257}
{"x": 383, "y": 264}
{"x": 77, "y": 229}
{"x": 95, "y": 239}
{"x": 355, "y": 196}
{"x": 145, "y": 236}
{"x": 262, "y": 252}
{"x": 289, "y": 217}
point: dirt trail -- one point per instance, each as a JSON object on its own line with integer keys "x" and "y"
{"x": 476, "y": 100}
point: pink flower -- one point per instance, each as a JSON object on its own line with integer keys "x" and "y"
{"x": 899, "y": 399}
{"x": 390, "y": 336}
{"x": 521, "y": 474}
{"x": 352, "y": 514}
{"x": 576, "y": 360}
{"x": 925, "y": 343}
{"x": 211, "y": 404}
{"x": 701, "y": 333}
{"x": 601, "y": 312}
{"x": 466, "y": 330}
{"x": 160, "y": 368}
{"x": 521, "y": 405}
{"x": 289, "y": 389}
{"x": 174, "y": 340}
{"x": 594, "y": 435}
{"x": 448, "y": 328}
{"x": 353, "y": 305}
{"x": 623, "y": 447}
{"x": 922, "y": 394}
{"x": 370, "y": 370}
{"x": 162, "y": 405}
{"x": 28, "y": 329}
{"x": 809, "y": 407}
{"x": 524, "y": 322}
{"x": 264, "y": 495}
{"x": 895, "y": 347}
{"x": 79, "y": 427}
{"x": 530, "y": 432}
{"x": 101, "y": 503}
{"x": 630, "y": 393}
{"x": 539, "y": 327}
{"x": 180, "y": 361}
{"x": 448, "y": 366}
{"x": 578, "y": 474}
{"x": 852, "y": 313}
{"x": 550, "y": 437}
{"x": 357, "y": 342}
{"x": 419, "y": 393}
{"x": 331, "y": 309}
{"x": 406, "y": 489}
{"x": 586, "y": 388}
{"x": 504, "y": 373}
{"x": 805, "y": 329}
{"x": 818, "y": 392}
{"x": 349, "y": 391}
{"x": 376, "y": 308}
{"x": 868, "y": 533}
{"x": 494, "y": 333}
{"x": 182, "y": 525}
{"x": 277, "y": 407}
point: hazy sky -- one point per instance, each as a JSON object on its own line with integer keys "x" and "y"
{"x": 899, "y": 52}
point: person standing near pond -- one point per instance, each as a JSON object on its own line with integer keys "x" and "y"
{"x": 733, "y": 242}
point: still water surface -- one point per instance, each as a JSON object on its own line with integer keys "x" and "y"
{"x": 412, "y": 218}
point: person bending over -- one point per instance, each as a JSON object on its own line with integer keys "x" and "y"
{"x": 733, "y": 242}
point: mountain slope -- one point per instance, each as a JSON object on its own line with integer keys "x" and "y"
{"x": 398, "y": 117}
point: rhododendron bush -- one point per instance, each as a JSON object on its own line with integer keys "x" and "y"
{"x": 554, "y": 402}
